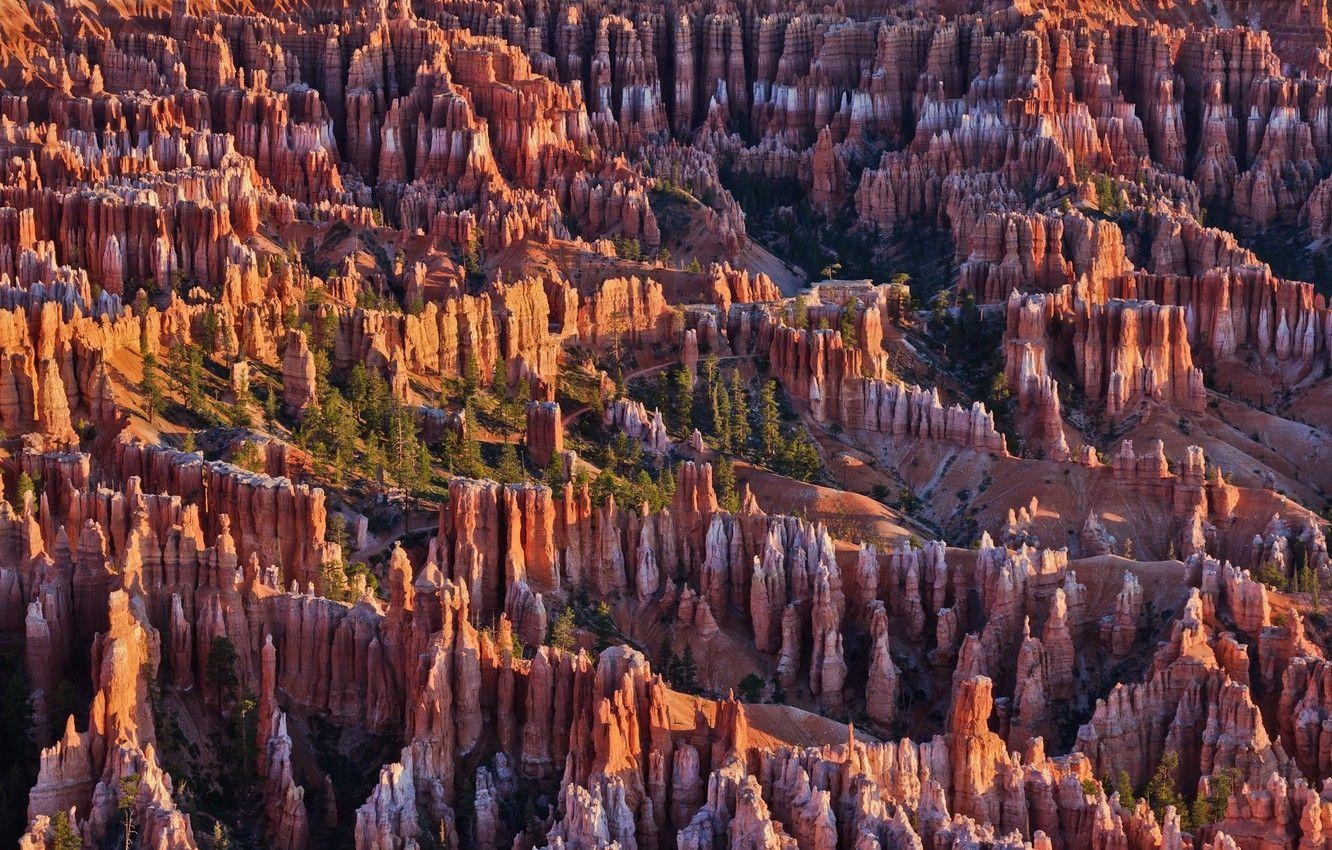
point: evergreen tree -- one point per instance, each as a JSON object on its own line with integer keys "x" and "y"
{"x": 374, "y": 464}
{"x": 152, "y": 388}
{"x": 125, "y": 805}
{"x": 358, "y": 386}
{"x": 797, "y": 457}
{"x": 499, "y": 383}
{"x": 679, "y": 413}
{"x": 939, "y": 307}
{"x": 769, "y": 424}
{"x": 646, "y": 490}
{"x": 193, "y": 382}
{"x": 847, "y": 326}
{"x": 221, "y": 669}
{"x": 1211, "y": 807}
{"x": 322, "y": 368}
{"x": 562, "y": 632}
{"x": 604, "y": 486}
{"x": 379, "y": 404}
{"x": 554, "y": 477}
{"x": 468, "y": 462}
{"x": 1161, "y": 790}
{"x": 800, "y": 314}
{"x": 270, "y": 407}
{"x": 666, "y": 660}
{"x": 65, "y": 836}
{"x": 663, "y": 390}
{"x": 513, "y": 406}
{"x": 688, "y": 671}
{"x": 425, "y": 467}
{"x": 18, "y": 749}
{"x": 1124, "y": 789}
{"x": 246, "y": 456}
{"x": 721, "y": 420}
{"x": 208, "y": 337}
{"x": 723, "y": 481}
{"x": 751, "y": 688}
{"x": 707, "y": 375}
{"x": 402, "y": 447}
{"x": 471, "y": 376}
{"x": 27, "y": 488}
{"x": 510, "y": 469}
{"x": 739, "y": 413}
{"x": 340, "y": 430}
{"x": 666, "y": 483}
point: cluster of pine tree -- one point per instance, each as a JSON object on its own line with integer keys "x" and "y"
{"x": 679, "y": 671}
{"x": 725, "y": 411}
{"x": 362, "y": 427}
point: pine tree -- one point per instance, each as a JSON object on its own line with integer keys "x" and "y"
{"x": 27, "y": 488}
{"x": 663, "y": 390}
{"x": 723, "y": 480}
{"x": 1161, "y": 790}
{"x": 221, "y": 669}
{"x": 358, "y": 387}
{"x": 270, "y": 407}
{"x": 152, "y": 389}
{"x": 769, "y": 425}
{"x": 322, "y": 369}
{"x": 402, "y": 447}
{"x": 563, "y": 634}
{"x": 374, "y": 462}
{"x": 721, "y": 419}
{"x": 208, "y": 337}
{"x": 510, "y": 469}
{"x": 1124, "y": 788}
{"x": 847, "y": 327}
{"x": 193, "y": 358}
{"x": 939, "y": 309}
{"x": 666, "y": 659}
{"x": 499, "y": 383}
{"x": 468, "y": 462}
{"x": 340, "y": 430}
{"x": 739, "y": 413}
{"x": 554, "y": 476}
{"x": 125, "y": 806}
{"x": 797, "y": 457}
{"x": 666, "y": 483}
{"x": 645, "y": 490}
{"x": 682, "y": 401}
{"x": 471, "y": 376}
{"x": 603, "y": 487}
{"x": 707, "y": 375}
{"x": 425, "y": 467}
{"x": 688, "y": 671}
{"x": 800, "y": 317}
{"x": 65, "y": 836}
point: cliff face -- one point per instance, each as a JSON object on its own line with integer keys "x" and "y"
{"x": 418, "y": 660}
{"x": 484, "y": 198}
{"x": 1121, "y": 352}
